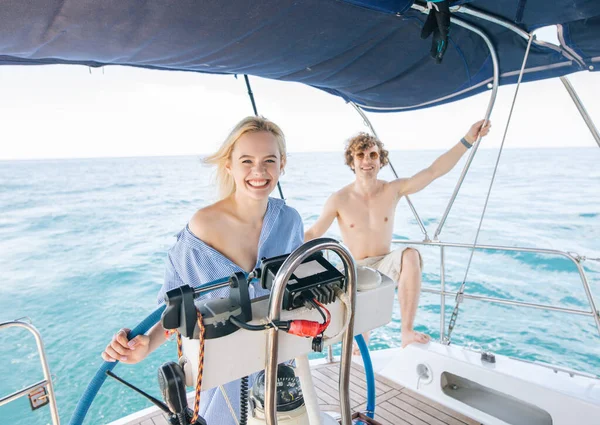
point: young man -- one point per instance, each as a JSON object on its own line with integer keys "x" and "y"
{"x": 365, "y": 211}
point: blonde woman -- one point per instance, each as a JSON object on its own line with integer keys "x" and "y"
{"x": 228, "y": 236}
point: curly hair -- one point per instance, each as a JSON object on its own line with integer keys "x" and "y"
{"x": 361, "y": 142}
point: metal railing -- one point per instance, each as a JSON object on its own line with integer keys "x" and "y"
{"x": 576, "y": 260}
{"x": 45, "y": 383}
{"x": 275, "y": 301}
{"x": 584, "y": 114}
{"x": 490, "y": 107}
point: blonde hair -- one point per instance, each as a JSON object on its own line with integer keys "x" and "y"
{"x": 362, "y": 142}
{"x": 225, "y": 182}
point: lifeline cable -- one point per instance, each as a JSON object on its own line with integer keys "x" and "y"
{"x": 459, "y": 294}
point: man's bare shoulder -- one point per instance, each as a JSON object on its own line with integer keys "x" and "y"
{"x": 340, "y": 197}
{"x": 386, "y": 185}
{"x": 343, "y": 192}
{"x": 395, "y": 188}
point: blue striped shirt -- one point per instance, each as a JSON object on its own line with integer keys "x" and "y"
{"x": 193, "y": 262}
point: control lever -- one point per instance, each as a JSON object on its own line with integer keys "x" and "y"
{"x": 156, "y": 402}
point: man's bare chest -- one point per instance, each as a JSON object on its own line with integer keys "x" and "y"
{"x": 367, "y": 214}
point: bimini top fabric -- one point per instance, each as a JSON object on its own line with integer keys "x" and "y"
{"x": 365, "y": 51}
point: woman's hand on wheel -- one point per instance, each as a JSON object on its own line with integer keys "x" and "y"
{"x": 127, "y": 351}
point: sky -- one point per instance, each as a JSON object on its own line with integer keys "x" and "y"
{"x": 59, "y": 111}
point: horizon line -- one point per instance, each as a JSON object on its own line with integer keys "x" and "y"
{"x": 200, "y": 154}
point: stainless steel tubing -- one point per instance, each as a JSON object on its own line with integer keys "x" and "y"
{"x": 18, "y": 394}
{"x": 511, "y": 302}
{"x": 275, "y": 301}
{"x": 572, "y": 258}
{"x": 442, "y": 296}
{"x": 488, "y": 112}
{"x": 44, "y": 362}
{"x": 584, "y": 114}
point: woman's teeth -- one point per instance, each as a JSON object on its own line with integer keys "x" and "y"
{"x": 258, "y": 183}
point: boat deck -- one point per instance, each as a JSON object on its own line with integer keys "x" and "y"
{"x": 396, "y": 405}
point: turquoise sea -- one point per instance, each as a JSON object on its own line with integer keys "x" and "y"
{"x": 83, "y": 242}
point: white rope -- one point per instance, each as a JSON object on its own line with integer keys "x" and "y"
{"x": 459, "y": 295}
{"x": 229, "y": 405}
{"x": 343, "y": 297}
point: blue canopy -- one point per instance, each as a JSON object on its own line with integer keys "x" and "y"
{"x": 365, "y": 51}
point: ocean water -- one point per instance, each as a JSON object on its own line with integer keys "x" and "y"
{"x": 83, "y": 243}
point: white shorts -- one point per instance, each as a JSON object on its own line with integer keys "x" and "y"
{"x": 389, "y": 264}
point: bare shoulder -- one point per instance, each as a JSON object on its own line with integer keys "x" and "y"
{"x": 205, "y": 220}
{"x": 343, "y": 194}
{"x": 397, "y": 187}
{"x": 337, "y": 200}
{"x": 386, "y": 185}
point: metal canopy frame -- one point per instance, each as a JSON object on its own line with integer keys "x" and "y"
{"x": 584, "y": 114}
{"x": 493, "y": 95}
{"x": 571, "y": 56}
{"x": 467, "y": 10}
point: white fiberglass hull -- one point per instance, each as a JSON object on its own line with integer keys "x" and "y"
{"x": 508, "y": 391}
